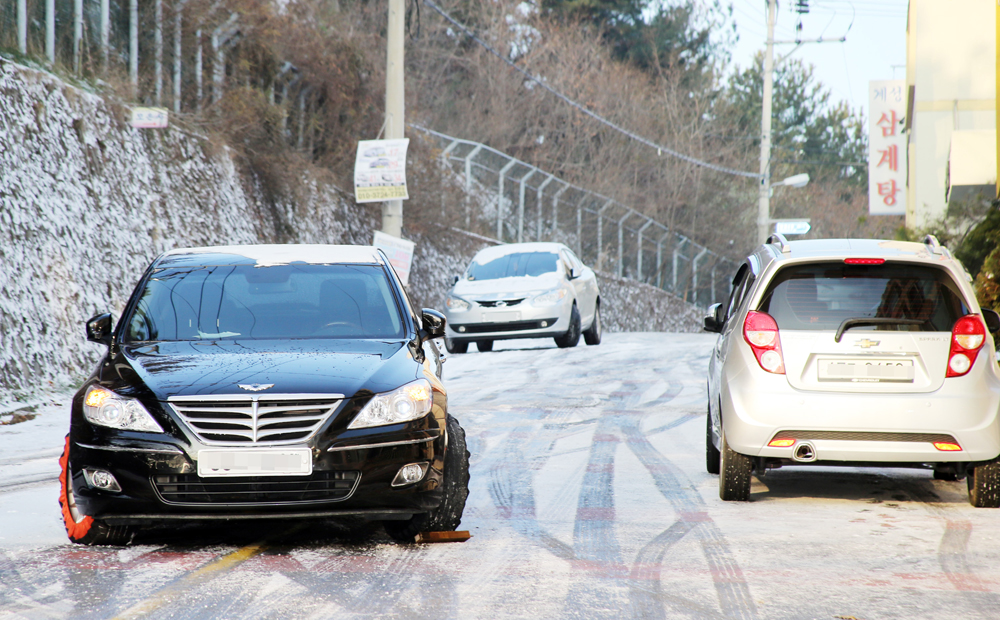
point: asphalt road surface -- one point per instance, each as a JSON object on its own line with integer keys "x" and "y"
{"x": 589, "y": 499}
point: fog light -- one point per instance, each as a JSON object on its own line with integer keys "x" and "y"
{"x": 100, "y": 479}
{"x": 408, "y": 474}
{"x": 947, "y": 446}
{"x": 781, "y": 443}
{"x": 461, "y": 328}
{"x": 545, "y": 323}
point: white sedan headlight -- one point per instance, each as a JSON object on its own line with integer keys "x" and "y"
{"x": 410, "y": 402}
{"x": 549, "y": 298}
{"x": 457, "y": 305}
{"x": 105, "y": 408}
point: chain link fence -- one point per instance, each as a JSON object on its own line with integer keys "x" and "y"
{"x": 513, "y": 201}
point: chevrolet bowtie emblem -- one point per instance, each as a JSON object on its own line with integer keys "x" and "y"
{"x": 256, "y": 387}
{"x": 867, "y": 344}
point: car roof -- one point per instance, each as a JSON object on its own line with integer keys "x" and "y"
{"x": 270, "y": 255}
{"x": 497, "y": 251}
{"x": 930, "y": 251}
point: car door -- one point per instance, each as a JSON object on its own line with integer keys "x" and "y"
{"x": 585, "y": 285}
{"x": 742, "y": 284}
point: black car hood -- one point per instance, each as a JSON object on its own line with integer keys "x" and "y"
{"x": 294, "y": 367}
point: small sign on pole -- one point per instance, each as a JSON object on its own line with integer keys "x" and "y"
{"x": 399, "y": 251}
{"x": 792, "y": 227}
{"x": 380, "y": 170}
{"x": 149, "y": 118}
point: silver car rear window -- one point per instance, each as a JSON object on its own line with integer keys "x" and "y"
{"x": 820, "y": 296}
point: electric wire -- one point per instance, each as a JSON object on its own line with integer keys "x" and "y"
{"x": 659, "y": 147}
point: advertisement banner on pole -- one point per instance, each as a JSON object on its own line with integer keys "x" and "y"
{"x": 380, "y": 170}
{"x": 399, "y": 251}
{"x": 886, "y": 147}
{"x": 149, "y": 118}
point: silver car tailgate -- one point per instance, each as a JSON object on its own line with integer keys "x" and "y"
{"x": 865, "y": 361}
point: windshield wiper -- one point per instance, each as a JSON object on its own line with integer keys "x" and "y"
{"x": 849, "y": 323}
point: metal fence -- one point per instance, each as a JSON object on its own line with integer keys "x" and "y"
{"x": 521, "y": 202}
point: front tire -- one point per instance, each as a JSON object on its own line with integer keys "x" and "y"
{"x": 455, "y": 346}
{"x": 593, "y": 333}
{"x": 712, "y": 455}
{"x": 734, "y": 474}
{"x": 81, "y": 529}
{"x": 484, "y": 346}
{"x": 572, "y": 336}
{"x": 447, "y": 516}
{"x": 984, "y": 485}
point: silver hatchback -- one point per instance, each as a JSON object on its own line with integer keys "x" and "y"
{"x": 853, "y": 352}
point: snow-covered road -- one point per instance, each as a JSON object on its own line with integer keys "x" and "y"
{"x": 589, "y": 498}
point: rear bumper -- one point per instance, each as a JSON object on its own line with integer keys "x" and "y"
{"x": 756, "y": 406}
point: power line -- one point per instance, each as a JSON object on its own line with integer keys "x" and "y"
{"x": 585, "y": 110}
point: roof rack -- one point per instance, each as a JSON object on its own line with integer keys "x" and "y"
{"x": 933, "y": 245}
{"x": 779, "y": 240}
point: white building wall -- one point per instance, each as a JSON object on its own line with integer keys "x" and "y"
{"x": 951, "y": 62}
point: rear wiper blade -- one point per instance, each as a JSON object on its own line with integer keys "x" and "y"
{"x": 849, "y": 323}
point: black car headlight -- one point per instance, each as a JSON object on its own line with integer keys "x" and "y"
{"x": 105, "y": 408}
{"x": 410, "y": 402}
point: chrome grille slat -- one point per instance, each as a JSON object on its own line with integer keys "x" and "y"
{"x": 254, "y": 419}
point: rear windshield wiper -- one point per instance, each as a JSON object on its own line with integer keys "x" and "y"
{"x": 849, "y": 323}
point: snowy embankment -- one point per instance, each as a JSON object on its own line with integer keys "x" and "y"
{"x": 86, "y": 202}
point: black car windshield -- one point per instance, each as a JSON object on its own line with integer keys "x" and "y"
{"x": 821, "y": 296}
{"x": 512, "y": 265}
{"x": 249, "y": 302}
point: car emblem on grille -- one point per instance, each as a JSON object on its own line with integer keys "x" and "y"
{"x": 867, "y": 344}
{"x": 256, "y": 387}
{"x": 501, "y": 304}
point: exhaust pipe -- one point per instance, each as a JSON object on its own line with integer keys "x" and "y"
{"x": 805, "y": 452}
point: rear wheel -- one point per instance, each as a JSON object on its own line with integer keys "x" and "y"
{"x": 455, "y": 346}
{"x": 447, "y": 516}
{"x": 712, "y": 455}
{"x": 734, "y": 474}
{"x": 80, "y": 528}
{"x": 984, "y": 485}
{"x": 593, "y": 333}
{"x": 572, "y": 335}
{"x": 484, "y": 345}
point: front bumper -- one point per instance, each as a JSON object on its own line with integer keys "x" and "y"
{"x": 853, "y": 427}
{"x": 520, "y": 321}
{"x": 159, "y": 481}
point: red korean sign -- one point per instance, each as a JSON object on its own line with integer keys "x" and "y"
{"x": 886, "y": 147}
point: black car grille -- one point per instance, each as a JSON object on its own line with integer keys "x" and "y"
{"x": 321, "y": 486}
{"x": 499, "y": 303}
{"x": 236, "y": 419}
{"x": 513, "y": 326}
{"x": 864, "y": 436}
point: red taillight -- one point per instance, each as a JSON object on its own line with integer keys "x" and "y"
{"x": 864, "y": 261}
{"x": 967, "y": 338}
{"x": 761, "y": 332}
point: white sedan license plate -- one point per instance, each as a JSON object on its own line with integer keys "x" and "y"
{"x": 503, "y": 317}
{"x": 287, "y": 462}
{"x": 866, "y": 371}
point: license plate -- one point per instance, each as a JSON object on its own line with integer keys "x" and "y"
{"x": 287, "y": 462}
{"x": 503, "y": 317}
{"x": 866, "y": 371}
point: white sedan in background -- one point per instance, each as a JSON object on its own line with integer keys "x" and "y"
{"x": 523, "y": 290}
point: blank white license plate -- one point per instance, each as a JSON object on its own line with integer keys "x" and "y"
{"x": 866, "y": 371}
{"x": 503, "y": 317}
{"x": 287, "y": 462}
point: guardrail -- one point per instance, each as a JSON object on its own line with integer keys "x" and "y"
{"x": 521, "y": 202}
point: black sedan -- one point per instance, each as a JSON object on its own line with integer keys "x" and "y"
{"x": 254, "y": 382}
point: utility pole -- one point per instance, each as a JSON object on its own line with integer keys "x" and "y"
{"x": 392, "y": 210}
{"x": 764, "y": 200}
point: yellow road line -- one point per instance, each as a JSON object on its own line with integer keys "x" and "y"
{"x": 174, "y": 590}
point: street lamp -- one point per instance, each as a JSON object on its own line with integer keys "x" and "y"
{"x": 799, "y": 180}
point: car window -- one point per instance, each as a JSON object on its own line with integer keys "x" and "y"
{"x": 741, "y": 284}
{"x": 821, "y": 296}
{"x": 574, "y": 261}
{"x": 512, "y": 265}
{"x": 249, "y": 302}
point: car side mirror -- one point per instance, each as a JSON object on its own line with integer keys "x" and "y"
{"x": 992, "y": 318}
{"x": 455, "y": 280}
{"x": 434, "y": 323}
{"x": 714, "y": 320}
{"x": 99, "y": 329}
{"x": 573, "y": 274}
